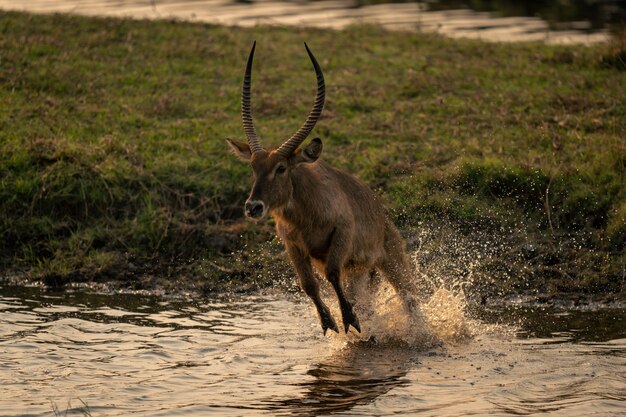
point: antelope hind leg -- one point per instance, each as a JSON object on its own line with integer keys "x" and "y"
{"x": 397, "y": 270}
{"x": 398, "y": 275}
{"x": 361, "y": 286}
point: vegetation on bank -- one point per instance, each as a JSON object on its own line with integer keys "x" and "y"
{"x": 113, "y": 164}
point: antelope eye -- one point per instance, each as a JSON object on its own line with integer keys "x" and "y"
{"x": 280, "y": 169}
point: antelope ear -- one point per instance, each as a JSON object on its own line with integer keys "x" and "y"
{"x": 240, "y": 149}
{"x": 311, "y": 152}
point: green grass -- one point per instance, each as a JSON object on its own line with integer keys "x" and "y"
{"x": 113, "y": 162}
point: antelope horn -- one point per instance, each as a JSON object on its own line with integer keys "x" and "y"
{"x": 292, "y": 143}
{"x": 246, "y": 113}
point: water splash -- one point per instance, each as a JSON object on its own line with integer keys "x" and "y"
{"x": 446, "y": 314}
{"x": 387, "y": 321}
{"x": 440, "y": 319}
{"x": 442, "y": 316}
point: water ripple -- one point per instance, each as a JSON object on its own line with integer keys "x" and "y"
{"x": 265, "y": 355}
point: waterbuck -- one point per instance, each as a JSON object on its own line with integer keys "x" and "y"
{"x": 326, "y": 218}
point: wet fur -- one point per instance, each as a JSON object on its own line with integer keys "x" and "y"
{"x": 334, "y": 222}
{"x": 327, "y": 219}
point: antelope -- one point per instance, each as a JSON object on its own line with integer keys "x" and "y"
{"x": 325, "y": 218}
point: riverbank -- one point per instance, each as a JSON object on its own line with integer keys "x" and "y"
{"x": 503, "y": 165}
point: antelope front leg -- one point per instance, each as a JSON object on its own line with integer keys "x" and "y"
{"x": 336, "y": 257}
{"x": 309, "y": 284}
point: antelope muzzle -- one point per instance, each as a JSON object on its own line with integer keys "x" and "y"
{"x": 255, "y": 209}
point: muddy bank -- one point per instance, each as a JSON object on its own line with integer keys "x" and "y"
{"x": 492, "y": 270}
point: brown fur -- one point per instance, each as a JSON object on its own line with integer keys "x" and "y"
{"x": 331, "y": 220}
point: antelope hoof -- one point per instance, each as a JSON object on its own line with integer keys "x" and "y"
{"x": 329, "y": 323}
{"x": 349, "y": 319}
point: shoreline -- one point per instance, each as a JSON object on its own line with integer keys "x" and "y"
{"x": 566, "y": 301}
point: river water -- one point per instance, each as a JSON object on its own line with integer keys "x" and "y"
{"x": 551, "y": 21}
{"x": 264, "y": 354}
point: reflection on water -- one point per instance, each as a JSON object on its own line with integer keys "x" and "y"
{"x": 355, "y": 375}
{"x": 265, "y": 355}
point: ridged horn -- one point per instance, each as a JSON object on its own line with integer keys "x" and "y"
{"x": 246, "y": 112}
{"x": 292, "y": 143}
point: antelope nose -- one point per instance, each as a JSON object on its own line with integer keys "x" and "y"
{"x": 254, "y": 209}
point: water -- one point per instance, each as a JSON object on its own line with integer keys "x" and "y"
{"x": 265, "y": 355}
{"x": 583, "y": 15}
{"x": 551, "y": 21}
